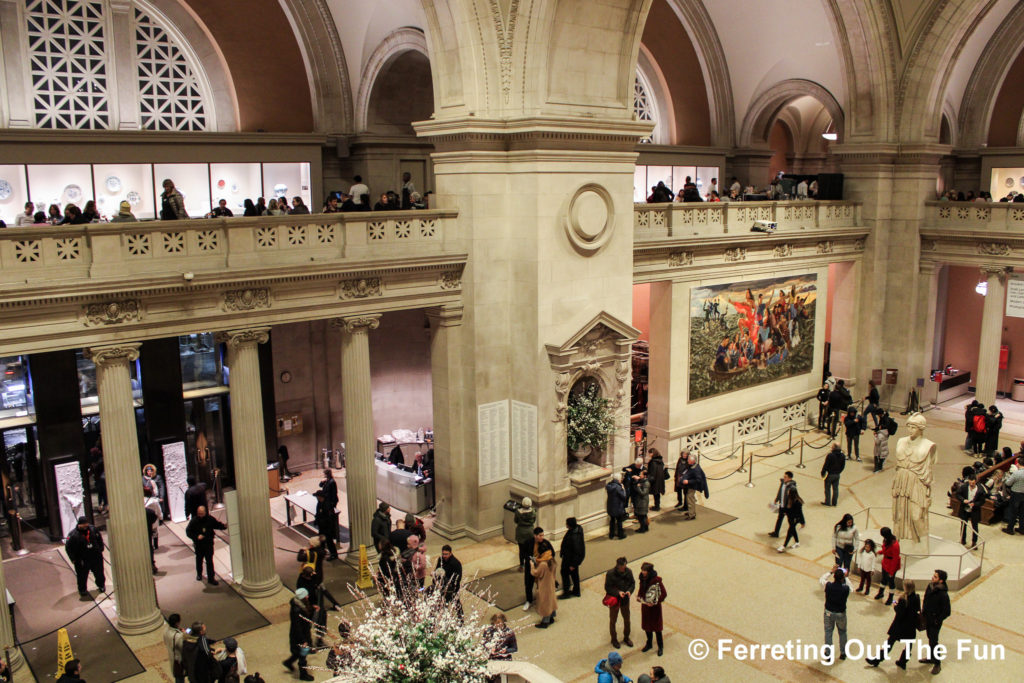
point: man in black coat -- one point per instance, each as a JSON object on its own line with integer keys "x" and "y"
{"x": 72, "y": 672}
{"x": 694, "y": 481}
{"x": 300, "y": 633}
{"x": 572, "y": 552}
{"x": 85, "y": 550}
{"x": 935, "y": 610}
{"x": 619, "y": 584}
{"x": 327, "y": 524}
{"x": 330, "y": 489}
{"x": 833, "y": 466}
{"x": 200, "y": 529}
{"x": 452, "y": 569}
{"x": 616, "y": 506}
{"x": 657, "y": 475}
{"x": 838, "y": 401}
{"x": 195, "y": 495}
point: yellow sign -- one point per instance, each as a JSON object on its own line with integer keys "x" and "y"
{"x": 364, "y": 569}
{"x": 63, "y": 651}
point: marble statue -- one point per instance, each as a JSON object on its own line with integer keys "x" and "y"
{"x": 912, "y": 487}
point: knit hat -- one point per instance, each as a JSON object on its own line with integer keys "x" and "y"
{"x": 614, "y": 658}
{"x": 125, "y": 207}
{"x": 83, "y": 520}
{"x": 527, "y": 503}
{"x": 230, "y": 644}
{"x": 302, "y": 594}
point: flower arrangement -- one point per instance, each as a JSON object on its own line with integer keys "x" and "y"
{"x": 415, "y": 635}
{"x": 590, "y": 420}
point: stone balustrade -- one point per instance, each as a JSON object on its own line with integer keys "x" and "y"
{"x": 986, "y": 216}
{"x": 62, "y": 255}
{"x": 677, "y": 220}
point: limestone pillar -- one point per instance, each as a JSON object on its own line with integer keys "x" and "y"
{"x": 259, "y": 575}
{"x": 127, "y": 532}
{"x": 669, "y": 364}
{"x": 357, "y": 418}
{"x": 454, "y": 489}
{"x": 991, "y": 334}
{"x": 122, "y": 46}
{"x": 6, "y": 632}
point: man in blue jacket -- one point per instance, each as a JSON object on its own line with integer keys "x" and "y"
{"x": 616, "y": 506}
{"x": 610, "y": 670}
{"x": 693, "y": 480}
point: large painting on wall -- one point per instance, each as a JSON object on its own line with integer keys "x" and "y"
{"x": 748, "y": 333}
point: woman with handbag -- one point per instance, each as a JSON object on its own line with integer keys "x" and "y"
{"x": 543, "y": 571}
{"x": 845, "y": 539}
{"x": 904, "y": 624}
{"x": 650, "y": 596}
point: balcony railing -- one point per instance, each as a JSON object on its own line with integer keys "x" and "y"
{"x": 988, "y": 216}
{"x": 114, "y": 251}
{"x": 679, "y": 220}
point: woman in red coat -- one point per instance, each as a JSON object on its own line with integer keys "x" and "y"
{"x": 650, "y": 596}
{"x": 890, "y": 564}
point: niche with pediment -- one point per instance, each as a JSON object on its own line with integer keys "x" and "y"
{"x": 597, "y": 357}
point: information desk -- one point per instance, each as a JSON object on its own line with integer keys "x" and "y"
{"x": 948, "y": 387}
{"x": 400, "y": 490}
{"x": 303, "y": 500}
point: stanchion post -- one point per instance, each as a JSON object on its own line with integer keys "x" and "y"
{"x": 743, "y": 455}
{"x": 801, "y": 465}
{"x": 750, "y": 473}
{"x": 732, "y": 452}
{"x": 768, "y": 433}
{"x": 789, "y": 448}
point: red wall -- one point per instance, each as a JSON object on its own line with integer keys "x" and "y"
{"x": 642, "y": 310}
{"x": 780, "y": 140}
{"x": 963, "y": 327}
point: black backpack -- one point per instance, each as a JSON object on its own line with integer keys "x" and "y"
{"x": 891, "y": 427}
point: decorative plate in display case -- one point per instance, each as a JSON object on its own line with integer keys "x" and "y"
{"x": 221, "y": 184}
{"x": 134, "y": 198}
{"x": 234, "y": 188}
{"x": 5, "y": 190}
{"x": 1022, "y": 181}
{"x": 72, "y": 193}
{"x": 280, "y": 190}
{"x": 113, "y": 184}
{"x": 1009, "y": 182}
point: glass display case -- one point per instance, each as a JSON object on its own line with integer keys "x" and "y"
{"x": 60, "y": 184}
{"x": 287, "y": 180}
{"x": 201, "y": 362}
{"x": 15, "y": 387}
{"x": 191, "y": 180}
{"x": 124, "y": 182}
{"x": 236, "y": 183}
{"x": 13, "y": 193}
{"x": 87, "y": 383}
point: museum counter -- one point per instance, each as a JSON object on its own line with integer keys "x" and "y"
{"x": 403, "y": 490}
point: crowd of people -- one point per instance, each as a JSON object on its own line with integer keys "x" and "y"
{"x": 780, "y": 188}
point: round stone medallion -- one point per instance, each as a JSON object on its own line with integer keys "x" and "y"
{"x": 590, "y": 218}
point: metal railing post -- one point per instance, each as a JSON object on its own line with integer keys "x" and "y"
{"x": 743, "y": 455}
{"x": 800, "y": 465}
{"x": 750, "y": 473}
{"x": 789, "y": 449}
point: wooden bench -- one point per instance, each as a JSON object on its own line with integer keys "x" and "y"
{"x": 988, "y": 508}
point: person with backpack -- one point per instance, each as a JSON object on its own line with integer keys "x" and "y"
{"x": 979, "y": 428}
{"x": 872, "y": 399}
{"x": 823, "y": 412}
{"x": 855, "y": 425}
{"x": 839, "y": 399}
{"x": 313, "y": 556}
{"x": 886, "y": 428}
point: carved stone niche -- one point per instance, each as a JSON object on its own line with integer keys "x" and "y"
{"x": 598, "y": 354}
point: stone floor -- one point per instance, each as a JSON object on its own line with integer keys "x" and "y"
{"x": 731, "y": 585}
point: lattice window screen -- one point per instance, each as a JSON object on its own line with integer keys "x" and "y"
{"x": 643, "y": 104}
{"x": 169, "y": 93}
{"x": 68, "y": 63}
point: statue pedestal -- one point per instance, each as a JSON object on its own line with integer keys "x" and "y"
{"x": 921, "y": 559}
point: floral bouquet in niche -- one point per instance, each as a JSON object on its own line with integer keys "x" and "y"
{"x": 590, "y": 422}
{"x": 415, "y": 635}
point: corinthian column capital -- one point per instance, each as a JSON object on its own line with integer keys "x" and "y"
{"x": 355, "y": 324}
{"x": 988, "y": 270}
{"x": 247, "y": 337}
{"x": 114, "y": 354}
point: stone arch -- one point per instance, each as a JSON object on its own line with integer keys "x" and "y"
{"x": 764, "y": 109}
{"x": 394, "y": 44}
{"x": 988, "y": 77}
{"x": 657, "y": 88}
{"x": 326, "y": 70}
{"x": 949, "y": 133}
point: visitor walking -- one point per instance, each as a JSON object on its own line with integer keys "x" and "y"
{"x": 935, "y": 610}
{"x": 781, "y": 496}
{"x": 831, "y": 469}
{"x": 619, "y": 584}
{"x": 903, "y": 626}
{"x": 795, "y": 515}
{"x": 572, "y": 551}
{"x": 650, "y": 596}
{"x": 85, "y": 550}
{"x": 836, "y": 593}
{"x": 890, "y": 564}
{"x": 300, "y": 633}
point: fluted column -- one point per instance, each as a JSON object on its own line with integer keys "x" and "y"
{"x": 6, "y": 632}
{"x": 357, "y": 418}
{"x": 455, "y": 483}
{"x": 991, "y": 334}
{"x": 259, "y": 575}
{"x": 127, "y": 532}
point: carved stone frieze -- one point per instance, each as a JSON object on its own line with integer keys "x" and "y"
{"x": 994, "y": 249}
{"x": 737, "y": 254}
{"x": 246, "y": 299}
{"x": 451, "y": 279}
{"x": 113, "y": 312}
{"x": 859, "y": 245}
{"x": 680, "y": 258}
{"x": 359, "y": 288}
{"x": 782, "y": 250}
{"x": 826, "y": 247}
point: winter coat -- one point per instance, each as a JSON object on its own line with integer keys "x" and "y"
{"x": 85, "y": 545}
{"x": 881, "y": 444}
{"x": 855, "y": 425}
{"x": 891, "y": 557}
{"x": 697, "y": 480}
{"x": 794, "y": 507}
{"x": 380, "y": 527}
{"x": 203, "y": 526}
{"x": 616, "y": 582}
{"x": 544, "y": 593}
{"x": 834, "y": 463}
{"x": 904, "y": 624}
{"x": 195, "y": 496}
{"x": 650, "y": 615}
{"x": 526, "y": 521}
{"x": 299, "y": 630}
{"x": 573, "y": 548}
{"x": 935, "y": 607}
{"x": 657, "y": 475}
{"x": 605, "y": 674}
{"x": 200, "y": 666}
{"x": 641, "y": 496}
{"x": 680, "y": 468}
{"x": 616, "y": 500}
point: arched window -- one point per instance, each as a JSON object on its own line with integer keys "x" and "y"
{"x": 77, "y": 77}
{"x": 645, "y": 106}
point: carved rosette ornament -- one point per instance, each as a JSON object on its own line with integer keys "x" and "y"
{"x": 246, "y": 299}
{"x": 737, "y": 254}
{"x": 782, "y": 250}
{"x": 106, "y": 356}
{"x": 451, "y": 279}
{"x": 247, "y": 337}
{"x": 113, "y": 312}
{"x": 994, "y": 249}
{"x": 359, "y": 288}
{"x": 680, "y": 258}
{"x": 357, "y": 324}
{"x": 825, "y": 247}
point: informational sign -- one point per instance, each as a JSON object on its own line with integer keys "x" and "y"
{"x": 70, "y": 494}
{"x": 524, "y": 443}
{"x": 1015, "y": 297}
{"x": 891, "y": 375}
{"x": 492, "y": 435}
{"x": 175, "y": 478}
{"x": 876, "y": 376}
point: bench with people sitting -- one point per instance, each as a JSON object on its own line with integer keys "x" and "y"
{"x": 991, "y": 478}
